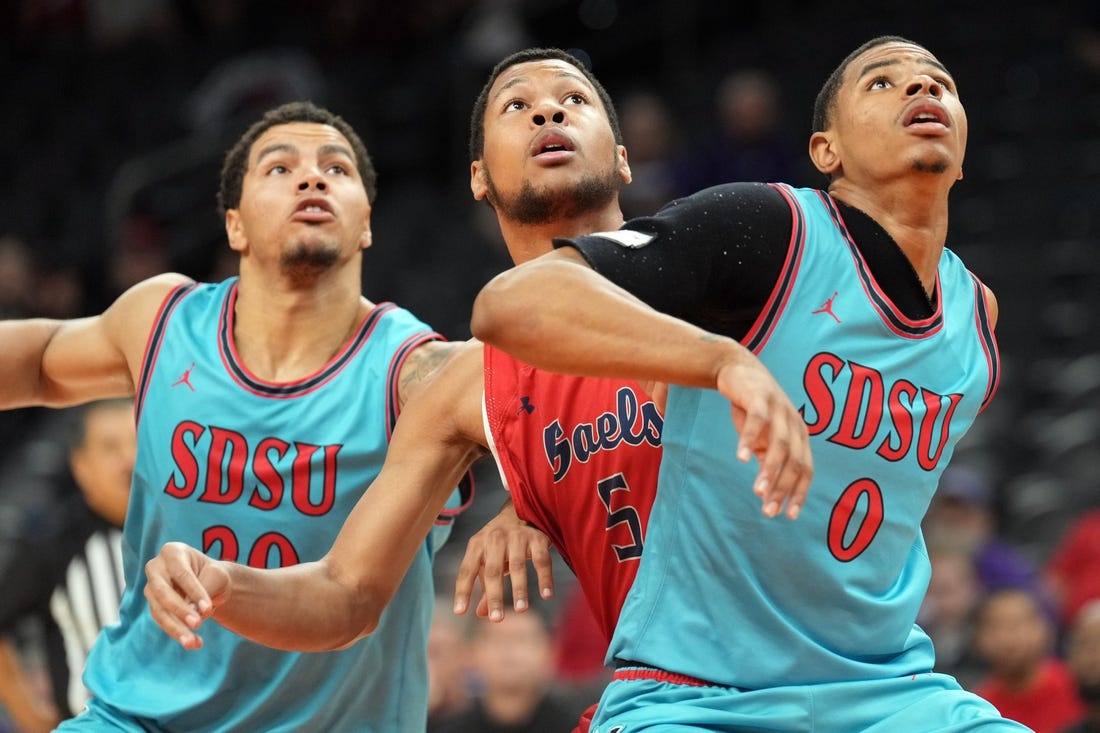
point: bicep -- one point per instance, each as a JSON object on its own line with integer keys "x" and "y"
{"x": 82, "y": 361}
{"x": 99, "y": 357}
{"x": 429, "y": 452}
{"x": 421, "y": 366}
{"x": 711, "y": 258}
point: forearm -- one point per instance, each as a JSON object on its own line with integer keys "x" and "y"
{"x": 331, "y": 603}
{"x": 557, "y": 314}
{"x": 301, "y": 608}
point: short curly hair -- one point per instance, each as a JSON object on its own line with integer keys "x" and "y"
{"x": 235, "y": 164}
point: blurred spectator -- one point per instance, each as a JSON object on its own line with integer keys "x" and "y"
{"x": 16, "y": 278}
{"x": 649, "y": 133}
{"x": 67, "y": 575}
{"x": 514, "y": 663}
{"x": 140, "y": 253}
{"x": 1026, "y": 682}
{"x": 1072, "y": 573}
{"x": 1083, "y": 657}
{"x": 947, "y": 614}
{"x": 448, "y": 691}
{"x": 750, "y": 143}
{"x": 961, "y": 517}
{"x": 58, "y": 291}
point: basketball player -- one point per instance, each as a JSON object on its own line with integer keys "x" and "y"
{"x": 264, "y": 405}
{"x": 547, "y": 125}
{"x": 881, "y": 337}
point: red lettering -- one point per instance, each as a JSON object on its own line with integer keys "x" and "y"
{"x": 817, "y": 389}
{"x": 267, "y": 475}
{"x": 902, "y": 417}
{"x": 865, "y": 397}
{"x": 300, "y": 479}
{"x": 220, "y": 535}
{"x": 225, "y": 479}
{"x": 934, "y": 409}
{"x": 261, "y": 551}
{"x": 844, "y": 511}
{"x": 184, "y": 437}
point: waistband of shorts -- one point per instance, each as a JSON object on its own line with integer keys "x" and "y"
{"x": 626, "y": 669}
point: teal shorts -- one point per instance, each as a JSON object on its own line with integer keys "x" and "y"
{"x": 924, "y": 703}
{"x": 100, "y": 718}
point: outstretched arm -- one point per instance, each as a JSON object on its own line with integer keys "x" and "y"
{"x": 58, "y": 363}
{"x": 331, "y": 603}
{"x": 556, "y": 313}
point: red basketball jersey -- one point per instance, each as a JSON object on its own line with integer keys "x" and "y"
{"x": 580, "y": 457}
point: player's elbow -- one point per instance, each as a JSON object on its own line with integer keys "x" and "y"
{"x": 358, "y": 620}
{"x": 355, "y": 609}
{"x": 361, "y": 623}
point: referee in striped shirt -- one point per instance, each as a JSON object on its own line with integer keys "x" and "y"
{"x": 69, "y": 579}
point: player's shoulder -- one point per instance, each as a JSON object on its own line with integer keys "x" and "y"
{"x": 130, "y": 318}
{"x": 734, "y": 195}
{"x": 142, "y": 301}
{"x": 453, "y": 364}
{"x": 154, "y": 289}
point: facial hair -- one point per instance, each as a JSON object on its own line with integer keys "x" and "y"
{"x": 305, "y": 262}
{"x": 542, "y": 206}
{"x": 936, "y": 167}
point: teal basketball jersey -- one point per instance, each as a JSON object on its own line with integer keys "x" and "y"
{"x": 727, "y": 595}
{"x": 263, "y": 474}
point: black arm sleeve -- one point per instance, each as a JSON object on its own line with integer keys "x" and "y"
{"x": 711, "y": 258}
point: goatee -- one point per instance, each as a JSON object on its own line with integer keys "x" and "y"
{"x": 305, "y": 263}
{"x": 531, "y": 206}
{"x": 937, "y": 167}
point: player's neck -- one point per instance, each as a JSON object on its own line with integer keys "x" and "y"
{"x": 285, "y": 334}
{"x": 527, "y": 241}
{"x": 915, "y": 217}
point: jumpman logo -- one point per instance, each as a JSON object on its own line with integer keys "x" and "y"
{"x": 525, "y": 405}
{"x": 828, "y": 308}
{"x": 185, "y": 378}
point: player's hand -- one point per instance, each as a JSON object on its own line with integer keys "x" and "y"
{"x": 503, "y": 547}
{"x": 772, "y": 430}
{"x": 183, "y": 587}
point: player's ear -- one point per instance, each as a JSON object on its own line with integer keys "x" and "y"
{"x": 824, "y": 152}
{"x": 366, "y": 239}
{"x": 234, "y": 230}
{"x": 622, "y": 165}
{"x": 478, "y": 186}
